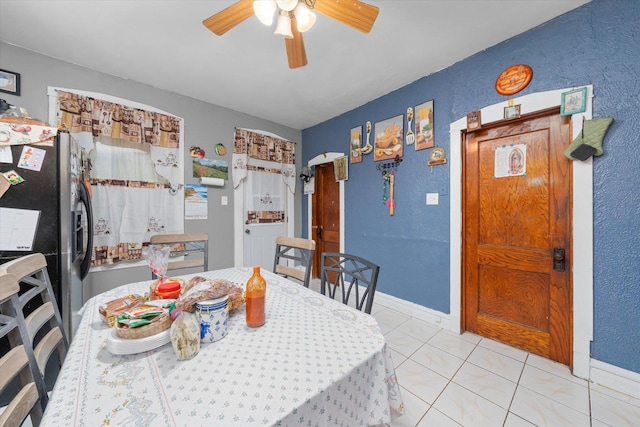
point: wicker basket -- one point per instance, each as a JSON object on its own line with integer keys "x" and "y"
{"x": 157, "y": 325}
{"x": 110, "y": 310}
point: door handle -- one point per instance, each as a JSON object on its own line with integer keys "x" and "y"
{"x": 85, "y": 199}
{"x": 558, "y": 259}
{"x": 247, "y": 231}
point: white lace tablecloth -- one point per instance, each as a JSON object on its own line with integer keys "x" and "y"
{"x": 315, "y": 362}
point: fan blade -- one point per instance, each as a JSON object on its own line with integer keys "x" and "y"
{"x": 223, "y": 21}
{"x": 296, "y": 54}
{"x": 353, "y": 13}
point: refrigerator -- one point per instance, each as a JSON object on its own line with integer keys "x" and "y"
{"x": 57, "y": 203}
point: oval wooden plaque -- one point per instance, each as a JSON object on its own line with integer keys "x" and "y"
{"x": 514, "y": 79}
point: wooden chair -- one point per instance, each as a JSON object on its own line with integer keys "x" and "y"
{"x": 42, "y": 317}
{"x": 20, "y": 378}
{"x": 349, "y": 273}
{"x": 296, "y": 249}
{"x": 194, "y": 247}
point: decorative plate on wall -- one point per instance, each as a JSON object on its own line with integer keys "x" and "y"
{"x": 514, "y": 79}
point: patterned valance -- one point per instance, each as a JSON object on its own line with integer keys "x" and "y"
{"x": 101, "y": 118}
{"x": 249, "y": 144}
{"x": 264, "y": 146}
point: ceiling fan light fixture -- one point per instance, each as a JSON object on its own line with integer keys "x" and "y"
{"x": 287, "y": 5}
{"x": 304, "y": 17}
{"x": 283, "y": 26}
{"x": 264, "y": 10}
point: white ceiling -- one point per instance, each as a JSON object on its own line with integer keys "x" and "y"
{"x": 163, "y": 43}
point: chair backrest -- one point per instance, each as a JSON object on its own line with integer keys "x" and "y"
{"x": 298, "y": 250}
{"x": 193, "y": 247}
{"x": 20, "y": 380}
{"x": 349, "y": 273}
{"x": 42, "y": 318}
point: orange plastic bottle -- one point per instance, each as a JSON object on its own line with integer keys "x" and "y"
{"x": 256, "y": 292}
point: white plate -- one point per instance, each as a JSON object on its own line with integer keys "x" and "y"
{"x": 117, "y": 345}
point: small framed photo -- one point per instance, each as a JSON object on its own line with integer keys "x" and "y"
{"x": 573, "y": 102}
{"x": 474, "y": 120}
{"x": 340, "y": 168}
{"x": 10, "y": 82}
{"x": 355, "y": 144}
{"x": 512, "y": 112}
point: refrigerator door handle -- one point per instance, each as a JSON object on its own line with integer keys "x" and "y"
{"x": 85, "y": 199}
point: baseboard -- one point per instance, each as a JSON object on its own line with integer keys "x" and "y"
{"x": 613, "y": 377}
{"x": 423, "y": 313}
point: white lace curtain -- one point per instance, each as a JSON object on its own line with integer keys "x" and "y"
{"x": 137, "y": 172}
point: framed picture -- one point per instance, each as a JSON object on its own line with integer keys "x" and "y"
{"x": 340, "y": 168}
{"x": 389, "y": 138}
{"x": 10, "y": 82}
{"x": 355, "y": 144}
{"x": 573, "y": 102}
{"x": 474, "y": 120}
{"x": 424, "y": 126}
{"x": 512, "y": 112}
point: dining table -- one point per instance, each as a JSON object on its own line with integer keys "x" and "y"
{"x": 314, "y": 362}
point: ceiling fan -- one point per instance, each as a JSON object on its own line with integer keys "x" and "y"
{"x": 294, "y": 18}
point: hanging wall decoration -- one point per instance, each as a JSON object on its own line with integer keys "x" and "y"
{"x": 437, "y": 157}
{"x": 514, "y": 79}
{"x": 355, "y": 144}
{"x": 424, "y": 126}
{"x": 411, "y": 138}
{"x": 474, "y": 120}
{"x": 368, "y": 148}
{"x": 512, "y": 111}
{"x": 340, "y": 168}
{"x": 388, "y": 182}
{"x": 196, "y": 152}
{"x": 10, "y": 82}
{"x": 220, "y": 149}
{"x": 208, "y": 168}
{"x": 389, "y": 136}
{"x": 573, "y": 102}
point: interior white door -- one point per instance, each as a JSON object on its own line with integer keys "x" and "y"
{"x": 260, "y": 244}
{"x": 265, "y": 206}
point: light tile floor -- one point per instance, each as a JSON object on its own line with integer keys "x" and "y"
{"x": 449, "y": 379}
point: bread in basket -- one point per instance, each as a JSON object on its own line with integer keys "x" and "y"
{"x": 158, "y": 322}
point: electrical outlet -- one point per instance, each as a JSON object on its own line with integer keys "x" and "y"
{"x": 432, "y": 198}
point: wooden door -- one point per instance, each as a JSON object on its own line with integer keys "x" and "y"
{"x": 511, "y": 225}
{"x": 325, "y": 220}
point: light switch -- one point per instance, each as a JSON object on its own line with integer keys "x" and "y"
{"x": 224, "y": 200}
{"x": 432, "y": 198}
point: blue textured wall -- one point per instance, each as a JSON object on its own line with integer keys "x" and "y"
{"x": 597, "y": 44}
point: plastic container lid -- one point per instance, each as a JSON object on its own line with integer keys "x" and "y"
{"x": 168, "y": 286}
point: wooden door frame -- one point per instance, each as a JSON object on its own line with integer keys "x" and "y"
{"x": 582, "y": 256}
{"x": 321, "y": 159}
